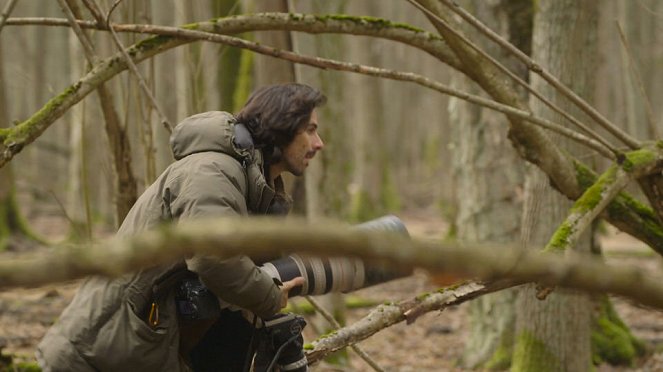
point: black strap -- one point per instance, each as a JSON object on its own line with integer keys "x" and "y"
{"x": 165, "y": 282}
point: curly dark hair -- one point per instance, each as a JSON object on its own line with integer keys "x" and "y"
{"x": 274, "y": 114}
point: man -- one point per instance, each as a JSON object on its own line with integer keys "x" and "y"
{"x": 225, "y": 165}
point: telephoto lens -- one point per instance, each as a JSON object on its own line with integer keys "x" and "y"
{"x": 336, "y": 274}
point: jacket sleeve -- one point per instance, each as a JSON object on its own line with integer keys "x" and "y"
{"x": 211, "y": 192}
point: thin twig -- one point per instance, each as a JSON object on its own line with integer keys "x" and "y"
{"x": 93, "y": 8}
{"x": 638, "y": 82}
{"x": 134, "y": 70}
{"x": 85, "y": 41}
{"x": 517, "y": 79}
{"x": 330, "y": 318}
{"x": 6, "y": 11}
{"x": 551, "y": 79}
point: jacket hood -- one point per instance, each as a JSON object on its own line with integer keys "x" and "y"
{"x": 209, "y": 131}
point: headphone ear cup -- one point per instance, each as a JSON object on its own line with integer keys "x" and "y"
{"x": 276, "y": 155}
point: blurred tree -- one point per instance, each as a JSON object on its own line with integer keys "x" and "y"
{"x": 13, "y": 229}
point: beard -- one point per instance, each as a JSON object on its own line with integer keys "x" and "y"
{"x": 296, "y": 168}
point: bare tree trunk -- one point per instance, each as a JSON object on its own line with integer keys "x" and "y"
{"x": 490, "y": 174}
{"x": 229, "y": 59}
{"x": 76, "y": 182}
{"x": 554, "y": 334}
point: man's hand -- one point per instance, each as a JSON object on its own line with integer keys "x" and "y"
{"x": 287, "y": 286}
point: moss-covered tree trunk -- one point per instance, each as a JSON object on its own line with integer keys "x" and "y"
{"x": 489, "y": 172}
{"x": 12, "y": 226}
{"x": 554, "y": 334}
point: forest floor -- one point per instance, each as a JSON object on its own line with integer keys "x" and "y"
{"x": 433, "y": 343}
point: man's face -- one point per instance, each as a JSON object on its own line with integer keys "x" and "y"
{"x": 303, "y": 147}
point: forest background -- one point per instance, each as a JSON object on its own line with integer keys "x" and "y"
{"x": 392, "y": 146}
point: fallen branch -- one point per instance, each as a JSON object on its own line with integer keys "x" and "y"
{"x": 386, "y": 315}
{"x": 336, "y": 326}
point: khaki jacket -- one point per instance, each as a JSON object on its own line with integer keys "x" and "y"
{"x": 216, "y": 173}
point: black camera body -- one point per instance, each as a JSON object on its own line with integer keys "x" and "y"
{"x": 281, "y": 345}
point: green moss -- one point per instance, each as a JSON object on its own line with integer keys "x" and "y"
{"x": 625, "y": 205}
{"x": 452, "y": 287}
{"x": 22, "y": 131}
{"x": 560, "y": 238}
{"x": 148, "y": 44}
{"x": 12, "y": 222}
{"x": 308, "y": 346}
{"x": 22, "y": 367}
{"x": 501, "y": 358}
{"x": 637, "y": 158}
{"x": 422, "y": 296}
{"x": 585, "y": 176}
{"x": 531, "y": 354}
{"x": 366, "y": 20}
{"x": 588, "y": 201}
{"x": 592, "y": 196}
{"x": 612, "y": 341}
{"x": 327, "y": 334}
{"x": 295, "y": 16}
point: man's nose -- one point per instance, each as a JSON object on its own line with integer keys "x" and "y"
{"x": 318, "y": 144}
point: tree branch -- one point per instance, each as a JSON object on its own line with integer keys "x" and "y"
{"x": 308, "y": 23}
{"x": 134, "y": 70}
{"x": 330, "y": 318}
{"x": 6, "y": 11}
{"x": 531, "y": 143}
{"x": 386, "y": 315}
{"x": 588, "y": 207}
{"x": 518, "y": 80}
{"x": 552, "y": 80}
{"x": 262, "y": 237}
{"x": 125, "y": 183}
{"x": 638, "y": 82}
{"x": 384, "y": 73}
{"x": 93, "y": 8}
{"x": 625, "y": 212}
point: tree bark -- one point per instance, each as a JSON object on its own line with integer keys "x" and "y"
{"x": 490, "y": 174}
{"x": 553, "y": 335}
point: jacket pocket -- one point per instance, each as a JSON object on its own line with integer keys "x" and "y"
{"x": 128, "y": 342}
